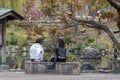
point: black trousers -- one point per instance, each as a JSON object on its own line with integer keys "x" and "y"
{"x": 61, "y": 60}
{"x": 32, "y": 60}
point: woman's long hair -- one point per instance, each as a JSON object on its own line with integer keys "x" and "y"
{"x": 38, "y": 40}
{"x": 61, "y": 43}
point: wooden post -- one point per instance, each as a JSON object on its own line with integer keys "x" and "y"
{"x": 3, "y": 49}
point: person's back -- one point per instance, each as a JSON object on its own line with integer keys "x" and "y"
{"x": 36, "y": 52}
{"x": 61, "y": 51}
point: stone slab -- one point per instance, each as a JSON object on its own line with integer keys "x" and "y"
{"x": 70, "y": 68}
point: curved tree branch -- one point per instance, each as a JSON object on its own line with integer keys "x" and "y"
{"x": 94, "y": 24}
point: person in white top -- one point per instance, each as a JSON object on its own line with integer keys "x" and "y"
{"x": 37, "y": 51}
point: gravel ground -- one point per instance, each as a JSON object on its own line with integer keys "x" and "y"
{"x": 5, "y": 75}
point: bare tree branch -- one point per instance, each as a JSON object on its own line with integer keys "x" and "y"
{"x": 91, "y": 23}
{"x": 94, "y": 24}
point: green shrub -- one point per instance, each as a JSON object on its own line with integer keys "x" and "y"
{"x": 13, "y": 40}
{"x": 19, "y": 61}
{"x": 47, "y": 55}
{"x": 90, "y": 40}
{"x": 80, "y": 45}
{"x": 67, "y": 39}
{"x": 72, "y": 58}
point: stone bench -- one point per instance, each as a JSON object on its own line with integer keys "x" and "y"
{"x": 70, "y": 68}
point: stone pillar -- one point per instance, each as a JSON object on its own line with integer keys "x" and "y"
{"x": 3, "y": 49}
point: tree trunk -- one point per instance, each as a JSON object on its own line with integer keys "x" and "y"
{"x": 113, "y": 37}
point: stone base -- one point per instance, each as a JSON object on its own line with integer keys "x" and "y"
{"x": 88, "y": 71}
{"x": 4, "y": 67}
